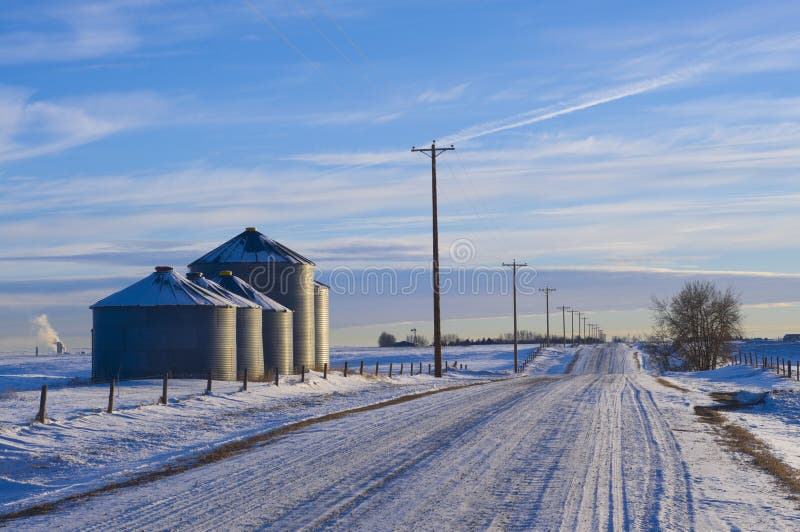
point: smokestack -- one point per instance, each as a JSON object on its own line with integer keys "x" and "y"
{"x": 37, "y": 350}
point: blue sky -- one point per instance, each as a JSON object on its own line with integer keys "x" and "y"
{"x": 624, "y": 145}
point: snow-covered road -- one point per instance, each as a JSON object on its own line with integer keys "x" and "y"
{"x": 585, "y": 451}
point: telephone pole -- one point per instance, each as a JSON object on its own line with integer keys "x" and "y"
{"x": 572, "y": 326}
{"x": 564, "y": 323}
{"x": 584, "y": 327}
{"x": 547, "y": 291}
{"x": 514, "y": 267}
{"x": 432, "y": 152}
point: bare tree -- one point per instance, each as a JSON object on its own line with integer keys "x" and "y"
{"x": 699, "y": 321}
{"x": 386, "y": 339}
{"x": 419, "y": 340}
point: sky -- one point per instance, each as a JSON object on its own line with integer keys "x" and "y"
{"x": 619, "y": 148}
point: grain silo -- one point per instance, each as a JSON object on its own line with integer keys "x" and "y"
{"x": 164, "y": 323}
{"x": 321, "y": 325}
{"x": 277, "y": 272}
{"x": 276, "y": 323}
{"x": 249, "y": 344}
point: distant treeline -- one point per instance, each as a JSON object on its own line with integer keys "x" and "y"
{"x": 523, "y": 337}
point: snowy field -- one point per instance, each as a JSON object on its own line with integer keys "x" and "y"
{"x": 82, "y": 447}
{"x": 777, "y": 420}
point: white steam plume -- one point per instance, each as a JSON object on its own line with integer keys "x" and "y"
{"x": 45, "y": 334}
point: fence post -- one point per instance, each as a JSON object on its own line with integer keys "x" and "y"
{"x": 41, "y": 417}
{"x": 345, "y": 368}
{"x": 429, "y": 369}
{"x": 420, "y": 369}
{"x": 789, "y": 367}
{"x": 110, "y": 398}
{"x": 276, "y": 376}
{"x": 401, "y": 368}
{"x": 208, "y": 383}
{"x": 303, "y": 373}
{"x": 164, "y": 389}
{"x": 325, "y": 370}
{"x": 390, "y": 370}
{"x": 244, "y": 382}
{"x": 376, "y": 368}
{"x": 361, "y": 368}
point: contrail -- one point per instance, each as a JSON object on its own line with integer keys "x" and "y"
{"x": 539, "y": 115}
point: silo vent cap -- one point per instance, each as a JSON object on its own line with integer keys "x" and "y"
{"x": 226, "y": 273}
{"x": 249, "y": 228}
{"x": 194, "y": 275}
{"x": 163, "y": 269}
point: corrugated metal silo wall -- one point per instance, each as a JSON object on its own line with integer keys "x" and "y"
{"x": 249, "y": 343}
{"x": 145, "y": 342}
{"x": 277, "y": 332}
{"x": 291, "y": 285}
{"x": 321, "y": 326}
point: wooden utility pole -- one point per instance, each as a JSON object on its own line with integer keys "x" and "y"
{"x": 514, "y": 267}
{"x": 547, "y": 291}
{"x": 584, "y": 327}
{"x": 572, "y": 326}
{"x": 564, "y": 323}
{"x": 432, "y": 152}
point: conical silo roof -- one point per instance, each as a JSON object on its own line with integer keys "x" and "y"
{"x": 231, "y": 283}
{"x": 200, "y": 280}
{"x": 251, "y": 246}
{"x": 163, "y": 288}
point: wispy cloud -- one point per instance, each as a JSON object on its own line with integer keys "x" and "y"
{"x": 442, "y": 96}
{"x": 540, "y": 115}
{"x": 31, "y": 127}
{"x": 81, "y": 30}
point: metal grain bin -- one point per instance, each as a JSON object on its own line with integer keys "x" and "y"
{"x": 276, "y": 271}
{"x": 321, "y": 325}
{"x": 249, "y": 342}
{"x": 164, "y": 323}
{"x": 276, "y": 323}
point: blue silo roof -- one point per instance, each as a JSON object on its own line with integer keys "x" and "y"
{"x": 163, "y": 288}
{"x": 198, "y": 279}
{"x": 241, "y": 288}
{"x": 251, "y": 246}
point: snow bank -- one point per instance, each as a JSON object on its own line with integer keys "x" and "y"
{"x": 775, "y": 421}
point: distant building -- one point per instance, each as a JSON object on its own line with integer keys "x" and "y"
{"x": 60, "y": 349}
{"x": 791, "y": 338}
{"x": 404, "y": 343}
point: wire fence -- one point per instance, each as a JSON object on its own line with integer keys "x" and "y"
{"x": 272, "y": 377}
{"x": 783, "y": 367}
